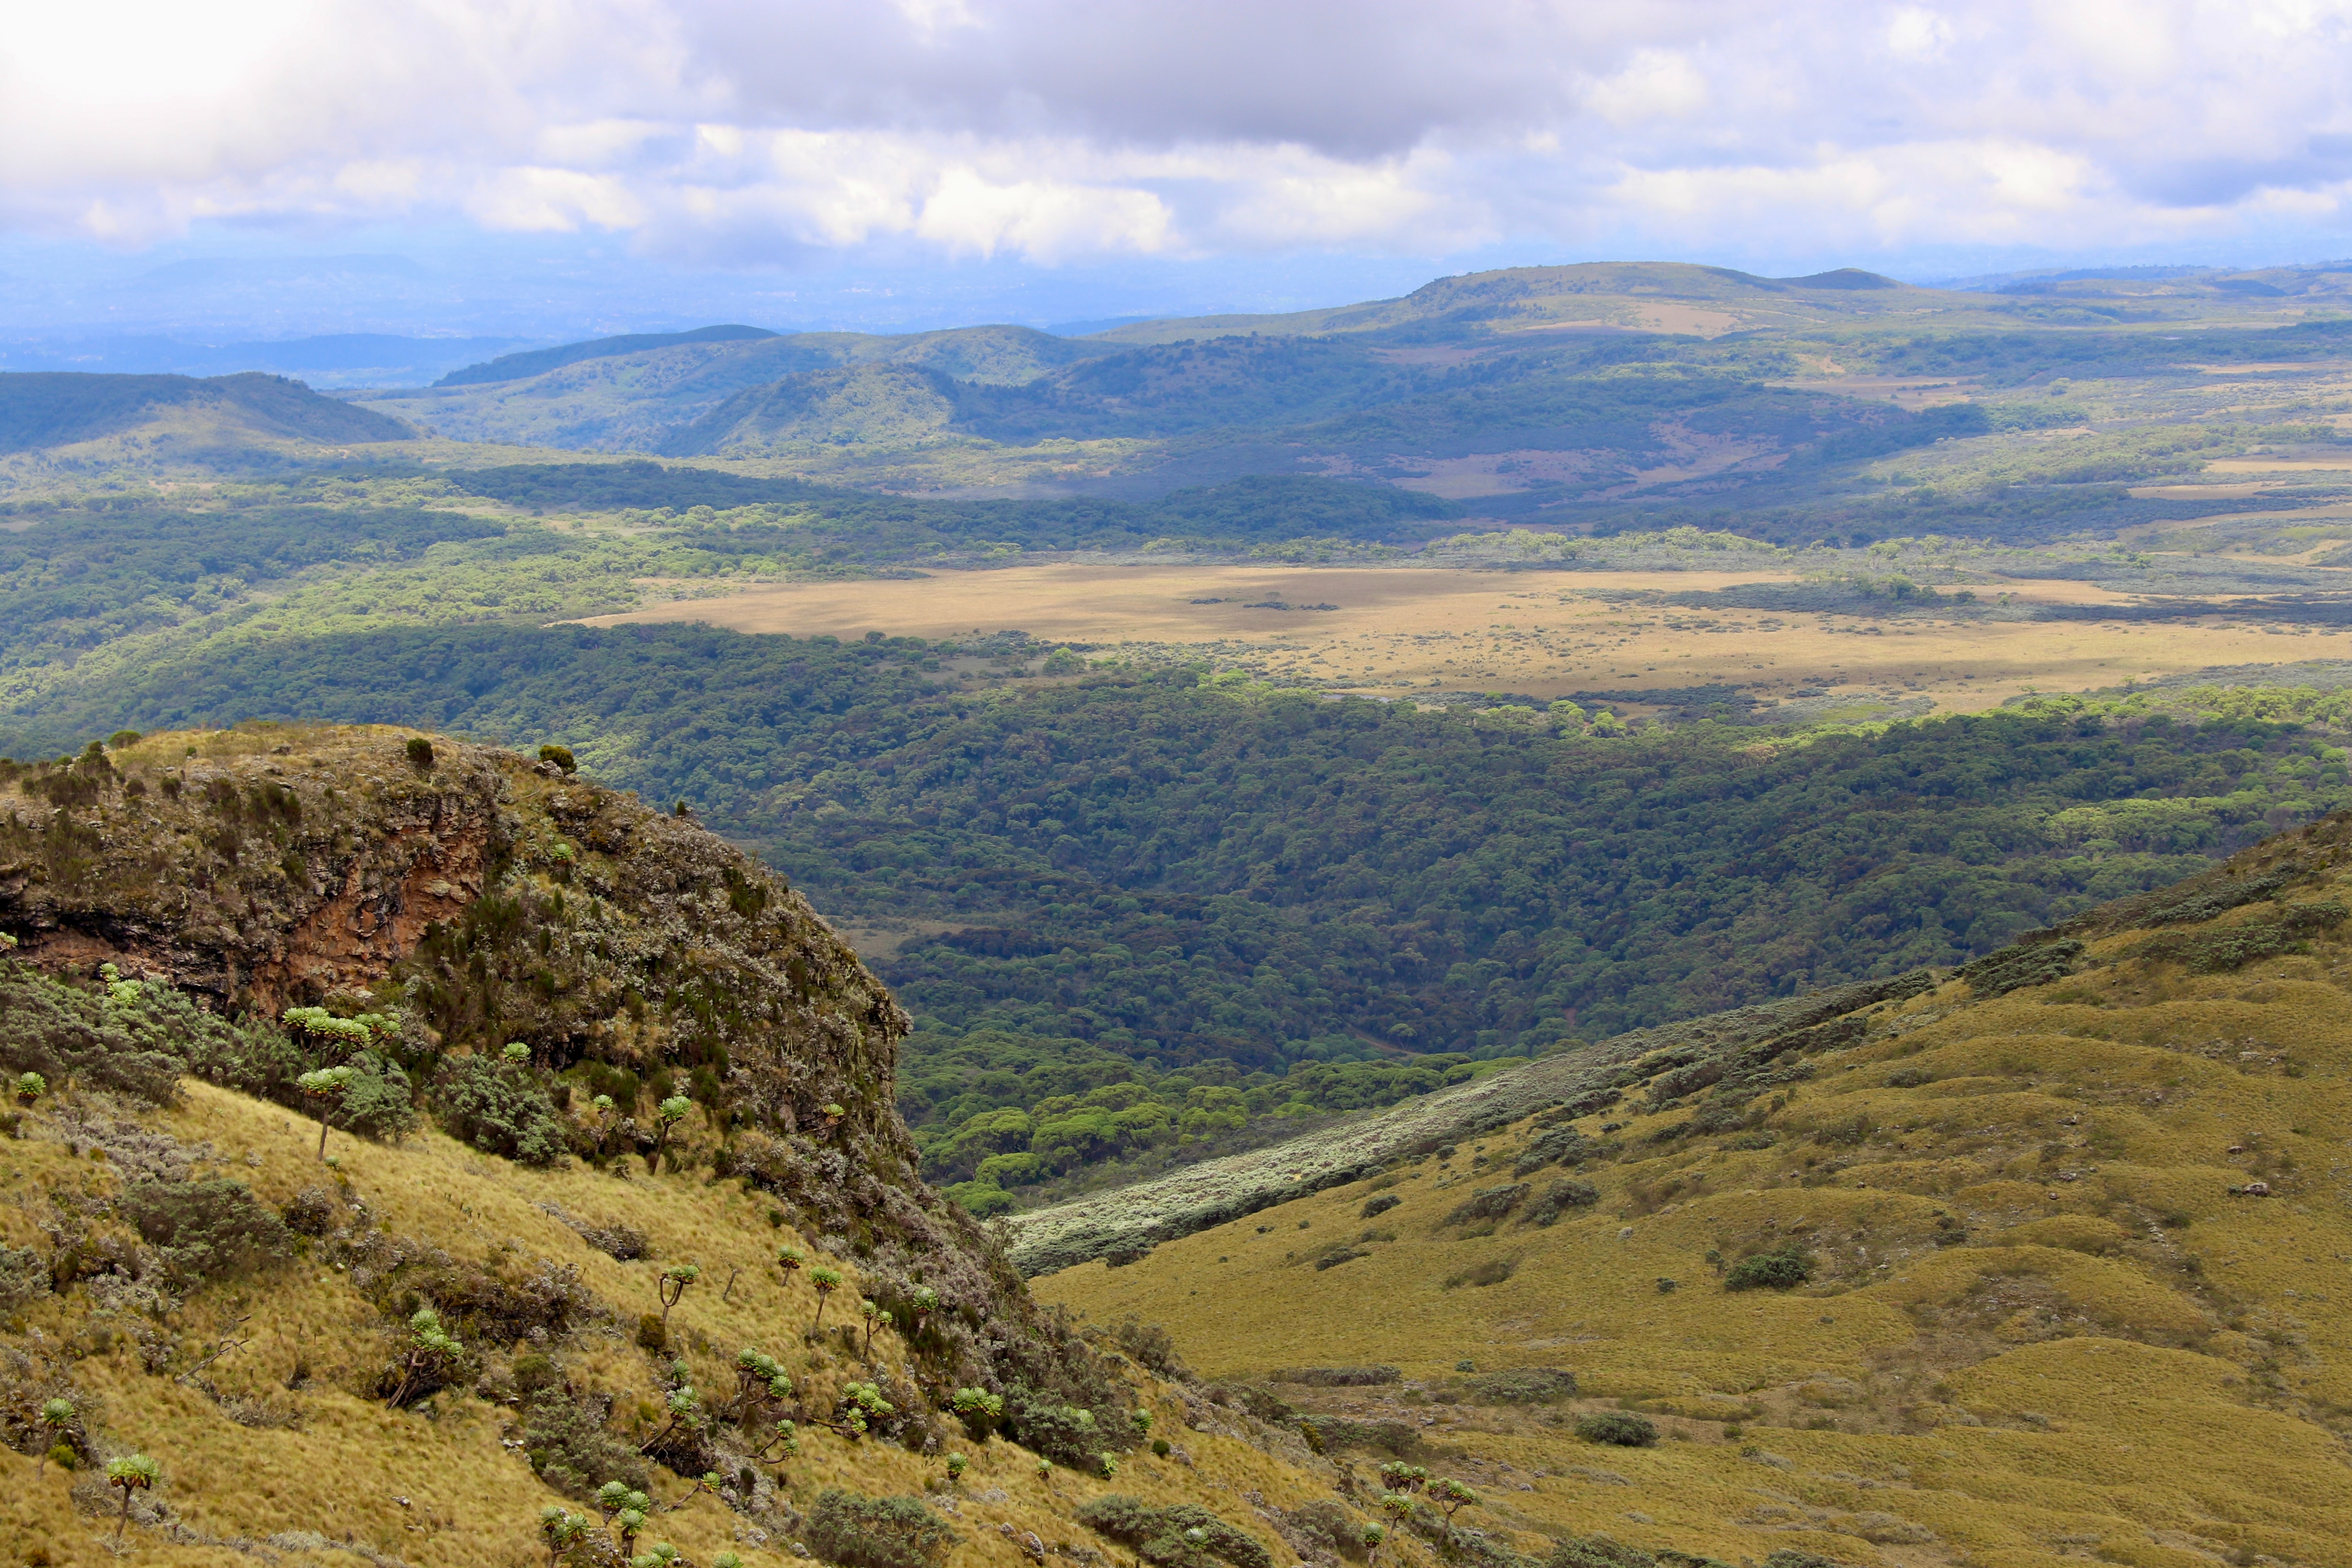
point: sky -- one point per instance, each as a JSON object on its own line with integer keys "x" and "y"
{"x": 549, "y": 168}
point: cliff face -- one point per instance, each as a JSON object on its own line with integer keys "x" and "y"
{"x": 494, "y": 898}
{"x": 484, "y": 898}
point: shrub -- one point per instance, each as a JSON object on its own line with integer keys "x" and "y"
{"x": 1160, "y": 1535}
{"x": 1559, "y": 1197}
{"x": 1339, "y": 1376}
{"x": 1494, "y": 1272}
{"x": 313, "y": 1211}
{"x": 561, "y": 756}
{"x": 1791, "y": 1557}
{"x": 858, "y": 1531}
{"x": 1149, "y": 1345}
{"x": 133, "y": 1038}
{"x": 206, "y": 1230}
{"x": 499, "y": 1107}
{"x": 1621, "y": 1427}
{"x": 2025, "y": 963}
{"x": 1781, "y": 1270}
{"x": 1490, "y": 1202}
{"x": 1560, "y": 1145}
{"x": 1377, "y": 1206}
{"x": 1524, "y": 1385}
{"x": 1597, "y": 1551}
{"x": 1068, "y": 1432}
{"x": 420, "y": 752}
{"x": 23, "y": 1278}
{"x": 563, "y": 1432}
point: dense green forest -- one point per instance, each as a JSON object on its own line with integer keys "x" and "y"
{"x": 1184, "y": 880}
{"x": 76, "y": 581}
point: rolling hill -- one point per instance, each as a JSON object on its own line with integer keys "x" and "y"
{"x": 56, "y": 409}
{"x": 2033, "y": 1261}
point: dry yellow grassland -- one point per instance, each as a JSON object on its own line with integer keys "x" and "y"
{"x": 2117, "y": 1358}
{"x": 362, "y": 1483}
{"x": 1399, "y": 630}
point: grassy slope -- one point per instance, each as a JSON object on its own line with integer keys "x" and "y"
{"x": 2121, "y": 1357}
{"x": 468, "y": 1500}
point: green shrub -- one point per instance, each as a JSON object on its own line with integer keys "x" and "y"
{"x": 1524, "y": 1385}
{"x": 500, "y": 1108}
{"x": 1377, "y": 1206}
{"x": 23, "y": 1278}
{"x": 561, "y": 756}
{"x": 563, "y": 1433}
{"x": 858, "y": 1531}
{"x": 1559, "y": 1197}
{"x": 1490, "y": 1202}
{"x": 1339, "y": 1376}
{"x": 1780, "y": 1271}
{"x": 1494, "y": 1272}
{"x": 206, "y": 1230}
{"x": 2025, "y": 963}
{"x": 1621, "y": 1427}
{"x": 1157, "y": 1535}
{"x": 1149, "y": 1345}
{"x": 130, "y": 1037}
{"x": 1597, "y": 1551}
{"x": 420, "y": 752}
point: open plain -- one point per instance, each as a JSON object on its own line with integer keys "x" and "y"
{"x": 1389, "y": 631}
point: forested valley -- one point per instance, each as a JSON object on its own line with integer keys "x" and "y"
{"x": 1152, "y": 909}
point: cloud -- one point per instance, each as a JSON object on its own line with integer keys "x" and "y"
{"x": 740, "y": 131}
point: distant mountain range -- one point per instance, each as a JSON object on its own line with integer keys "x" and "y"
{"x": 341, "y": 359}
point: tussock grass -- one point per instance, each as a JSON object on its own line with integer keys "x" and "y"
{"x": 2040, "y": 1322}
{"x": 438, "y": 1486}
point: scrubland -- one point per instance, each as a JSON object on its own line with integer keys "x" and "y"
{"x": 2076, "y": 1273}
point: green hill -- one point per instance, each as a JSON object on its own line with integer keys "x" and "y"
{"x": 2032, "y": 1264}
{"x": 42, "y": 409}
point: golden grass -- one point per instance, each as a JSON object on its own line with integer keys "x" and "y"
{"x": 441, "y": 1488}
{"x": 1404, "y": 631}
{"x": 2121, "y": 1359}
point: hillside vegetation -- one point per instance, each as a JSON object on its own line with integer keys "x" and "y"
{"x": 407, "y": 1140}
{"x": 64, "y": 409}
{"x": 2040, "y": 1262}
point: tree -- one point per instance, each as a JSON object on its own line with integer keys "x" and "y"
{"x": 791, "y": 1261}
{"x": 666, "y": 1117}
{"x": 861, "y": 1405}
{"x": 1451, "y": 1498}
{"x": 877, "y": 1316}
{"x": 420, "y": 753}
{"x": 30, "y": 1087}
{"x": 614, "y": 1499}
{"x": 562, "y": 1528}
{"x": 956, "y": 1464}
{"x": 429, "y": 1349}
{"x": 826, "y": 1281}
{"x": 671, "y": 1288}
{"x": 921, "y": 1304}
{"x": 979, "y": 1410}
{"x": 132, "y": 1473}
{"x": 685, "y": 1408}
{"x": 57, "y": 1416}
{"x": 759, "y": 1379}
{"x": 324, "y": 1085}
{"x": 1371, "y": 1536}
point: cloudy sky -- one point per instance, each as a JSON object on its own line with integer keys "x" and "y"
{"x": 1078, "y": 152}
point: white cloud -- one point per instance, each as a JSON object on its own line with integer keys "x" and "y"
{"x": 1059, "y": 130}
